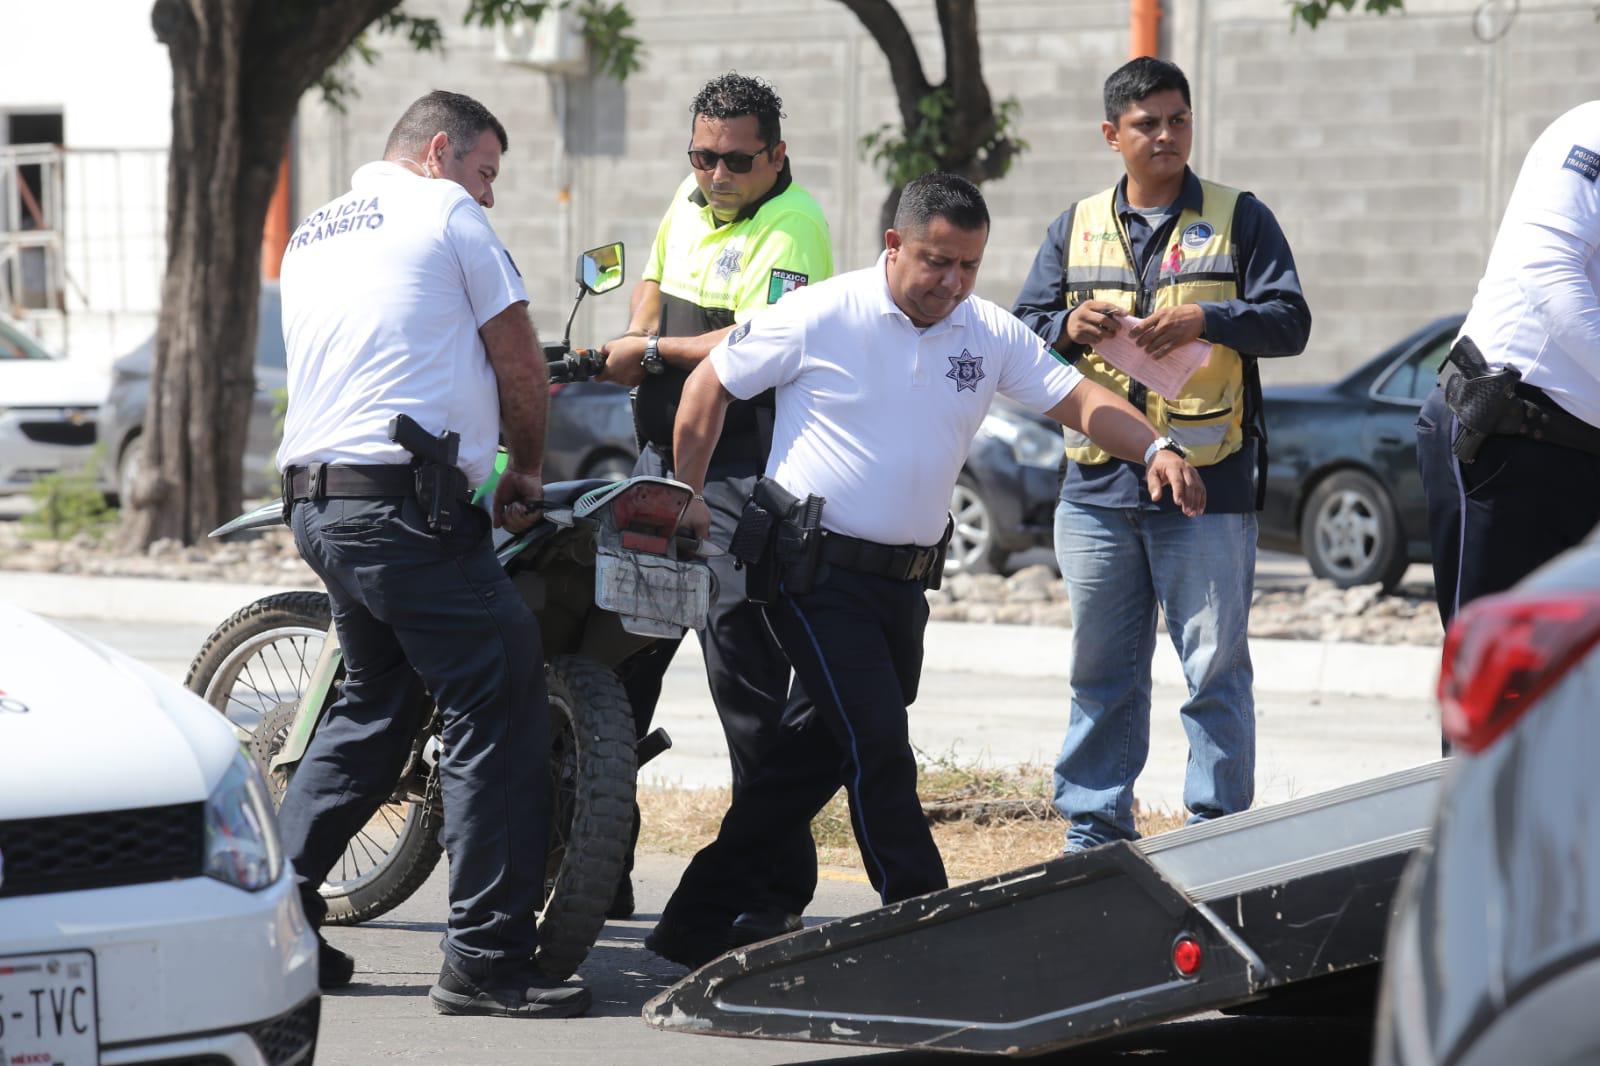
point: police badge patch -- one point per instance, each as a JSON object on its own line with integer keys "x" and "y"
{"x": 782, "y": 282}
{"x": 728, "y": 263}
{"x": 739, "y": 334}
{"x": 966, "y": 370}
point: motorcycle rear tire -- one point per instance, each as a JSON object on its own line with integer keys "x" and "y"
{"x": 592, "y": 793}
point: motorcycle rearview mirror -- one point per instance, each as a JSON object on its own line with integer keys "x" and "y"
{"x": 599, "y": 270}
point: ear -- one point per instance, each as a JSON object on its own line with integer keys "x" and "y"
{"x": 892, "y": 243}
{"x": 779, "y": 153}
{"x": 1108, "y": 130}
{"x": 437, "y": 147}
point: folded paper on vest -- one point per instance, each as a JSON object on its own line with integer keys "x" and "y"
{"x": 1165, "y": 376}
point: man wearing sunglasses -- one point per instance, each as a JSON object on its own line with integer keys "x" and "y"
{"x": 738, "y": 235}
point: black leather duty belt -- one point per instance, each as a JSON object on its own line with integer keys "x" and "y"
{"x": 348, "y": 480}
{"x": 897, "y": 562}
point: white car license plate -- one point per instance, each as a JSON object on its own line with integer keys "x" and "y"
{"x": 47, "y": 1010}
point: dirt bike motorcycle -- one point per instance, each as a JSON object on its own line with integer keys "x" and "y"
{"x": 606, "y": 573}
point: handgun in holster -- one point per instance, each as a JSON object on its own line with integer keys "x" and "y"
{"x": 1484, "y": 401}
{"x": 778, "y": 539}
{"x": 438, "y": 480}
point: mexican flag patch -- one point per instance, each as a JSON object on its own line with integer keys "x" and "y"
{"x": 783, "y": 281}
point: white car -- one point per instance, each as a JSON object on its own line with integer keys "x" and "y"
{"x": 49, "y": 412}
{"x": 146, "y": 911}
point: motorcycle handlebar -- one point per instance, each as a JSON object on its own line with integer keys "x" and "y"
{"x": 580, "y": 364}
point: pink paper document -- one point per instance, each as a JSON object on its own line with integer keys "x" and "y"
{"x": 1166, "y": 375}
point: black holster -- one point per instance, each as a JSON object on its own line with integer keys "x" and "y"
{"x": 778, "y": 541}
{"x": 1484, "y": 401}
{"x": 439, "y": 482}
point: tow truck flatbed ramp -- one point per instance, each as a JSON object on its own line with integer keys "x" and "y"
{"x": 1087, "y": 945}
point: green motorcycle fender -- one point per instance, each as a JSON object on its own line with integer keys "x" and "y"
{"x": 317, "y": 698}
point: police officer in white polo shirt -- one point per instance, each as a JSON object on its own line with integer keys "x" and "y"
{"x": 883, "y": 376}
{"x": 1509, "y": 444}
{"x": 398, "y": 299}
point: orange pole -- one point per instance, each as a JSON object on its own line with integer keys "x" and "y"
{"x": 1144, "y": 28}
{"x": 275, "y": 233}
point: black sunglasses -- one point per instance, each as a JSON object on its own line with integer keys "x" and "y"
{"x": 738, "y": 162}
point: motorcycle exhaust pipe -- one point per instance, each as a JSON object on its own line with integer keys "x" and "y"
{"x": 652, "y": 744}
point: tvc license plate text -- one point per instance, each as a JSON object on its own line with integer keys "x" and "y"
{"x": 47, "y": 1010}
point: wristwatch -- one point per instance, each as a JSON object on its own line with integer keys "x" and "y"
{"x": 652, "y": 361}
{"x": 1166, "y": 444}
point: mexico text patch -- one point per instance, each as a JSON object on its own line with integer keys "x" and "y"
{"x": 784, "y": 281}
{"x": 1583, "y": 161}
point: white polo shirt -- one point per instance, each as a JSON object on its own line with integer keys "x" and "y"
{"x": 1536, "y": 308}
{"x": 383, "y": 293}
{"x": 873, "y": 414}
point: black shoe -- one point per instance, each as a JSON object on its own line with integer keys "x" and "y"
{"x": 621, "y": 908}
{"x": 334, "y": 967}
{"x": 688, "y": 945}
{"x": 530, "y": 997}
{"x": 753, "y": 926}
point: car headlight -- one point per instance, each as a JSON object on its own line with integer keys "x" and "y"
{"x": 1031, "y": 444}
{"x": 242, "y": 846}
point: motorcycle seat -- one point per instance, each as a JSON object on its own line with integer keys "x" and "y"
{"x": 567, "y": 493}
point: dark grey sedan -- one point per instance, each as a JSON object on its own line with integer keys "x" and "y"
{"x": 1494, "y": 949}
{"x": 1343, "y": 488}
{"x": 122, "y": 423}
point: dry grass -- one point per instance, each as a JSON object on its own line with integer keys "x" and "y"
{"x": 985, "y": 820}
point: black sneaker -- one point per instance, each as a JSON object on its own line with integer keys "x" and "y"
{"x": 334, "y": 967}
{"x": 621, "y": 908}
{"x": 687, "y": 945}
{"x": 753, "y": 926}
{"x": 530, "y": 997}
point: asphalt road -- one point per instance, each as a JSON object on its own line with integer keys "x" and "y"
{"x": 385, "y": 1016}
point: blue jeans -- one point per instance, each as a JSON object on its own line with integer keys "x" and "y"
{"x": 1119, "y": 564}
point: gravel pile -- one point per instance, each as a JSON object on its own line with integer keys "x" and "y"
{"x": 1308, "y": 609}
{"x": 1305, "y": 609}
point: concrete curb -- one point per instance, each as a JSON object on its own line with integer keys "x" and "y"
{"x": 1404, "y": 672}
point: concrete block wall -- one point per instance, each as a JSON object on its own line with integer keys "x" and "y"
{"x": 1386, "y": 146}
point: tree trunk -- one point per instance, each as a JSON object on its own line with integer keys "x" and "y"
{"x": 238, "y": 70}
{"x": 971, "y": 123}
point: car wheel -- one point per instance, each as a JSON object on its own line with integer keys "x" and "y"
{"x": 610, "y": 467}
{"x": 129, "y": 466}
{"x": 972, "y": 543}
{"x": 1350, "y": 534}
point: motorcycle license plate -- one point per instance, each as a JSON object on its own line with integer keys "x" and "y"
{"x": 655, "y": 596}
{"x": 47, "y": 1009}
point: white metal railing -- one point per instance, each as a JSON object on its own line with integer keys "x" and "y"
{"x": 83, "y": 241}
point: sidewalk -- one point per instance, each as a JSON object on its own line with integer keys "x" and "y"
{"x": 1402, "y": 672}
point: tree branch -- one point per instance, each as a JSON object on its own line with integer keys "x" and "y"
{"x": 888, "y": 29}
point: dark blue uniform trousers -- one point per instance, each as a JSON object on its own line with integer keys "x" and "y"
{"x": 416, "y": 609}
{"x": 1495, "y": 520}
{"x": 856, "y": 644}
{"x": 749, "y": 677}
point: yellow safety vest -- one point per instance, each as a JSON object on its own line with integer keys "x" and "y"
{"x": 1198, "y": 264}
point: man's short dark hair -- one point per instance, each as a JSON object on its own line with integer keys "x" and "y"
{"x": 734, "y": 95}
{"x": 459, "y": 117}
{"x": 940, "y": 195}
{"x": 1137, "y": 79}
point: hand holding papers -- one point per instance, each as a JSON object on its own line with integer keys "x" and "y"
{"x": 1165, "y": 376}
